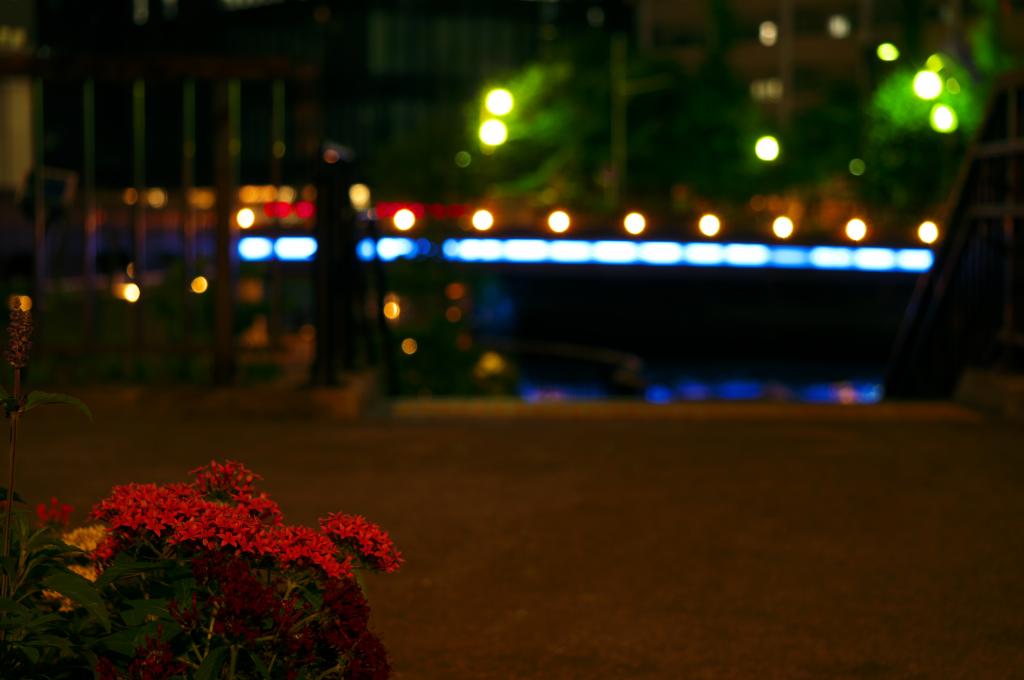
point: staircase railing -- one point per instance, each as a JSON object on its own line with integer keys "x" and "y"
{"x": 966, "y": 312}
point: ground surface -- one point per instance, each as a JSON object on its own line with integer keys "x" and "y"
{"x": 732, "y": 542}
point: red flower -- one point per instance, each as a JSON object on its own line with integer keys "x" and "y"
{"x": 230, "y": 478}
{"x": 300, "y": 548}
{"x": 56, "y": 513}
{"x": 373, "y": 546}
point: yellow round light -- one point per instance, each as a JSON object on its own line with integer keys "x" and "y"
{"x": 782, "y": 227}
{"x": 483, "y": 220}
{"x": 245, "y": 218}
{"x": 767, "y": 148}
{"x": 709, "y": 225}
{"x": 156, "y": 198}
{"x": 928, "y": 232}
{"x": 856, "y": 229}
{"x": 935, "y": 62}
{"x": 404, "y": 219}
{"x": 634, "y": 223}
{"x": 927, "y": 84}
{"x": 409, "y": 346}
{"x": 499, "y": 101}
{"x": 199, "y": 285}
{"x": 131, "y": 292}
{"x": 392, "y": 310}
{"x": 493, "y": 132}
{"x": 887, "y": 52}
{"x": 558, "y": 221}
{"x": 943, "y": 119}
{"x": 359, "y": 196}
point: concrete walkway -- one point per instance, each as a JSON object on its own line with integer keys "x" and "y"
{"x": 711, "y": 542}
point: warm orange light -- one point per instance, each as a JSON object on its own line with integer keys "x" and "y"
{"x": 455, "y": 290}
{"x": 559, "y": 221}
{"x": 200, "y": 285}
{"x": 404, "y": 219}
{"x": 782, "y": 227}
{"x": 856, "y": 229}
{"x": 483, "y": 220}
{"x": 928, "y": 232}
{"x": 634, "y": 223}
{"x": 245, "y": 218}
{"x": 453, "y": 314}
{"x": 709, "y": 225}
{"x": 409, "y": 346}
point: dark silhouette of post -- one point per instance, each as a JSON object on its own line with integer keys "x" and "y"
{"x": 224, "y": 181}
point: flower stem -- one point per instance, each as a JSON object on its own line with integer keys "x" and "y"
{"x": 12, "y": 448}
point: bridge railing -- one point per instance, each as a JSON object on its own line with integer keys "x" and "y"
{"x": 967, "y": 311}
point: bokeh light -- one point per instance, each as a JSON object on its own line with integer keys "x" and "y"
{"x": 493, "y": 132}
{"x": 767, "y": 148}
{"x": 199, "y": 285}
{"x": 359, "y": 196}
{"x": 888, "y": 52}
{"x": 409, "y": 346}
{"x": 483, "y": 220}
{"x": 634, "y": 223}
{"x": 245, "y": 218}
{"x": 559, "y": 221}
{"x": 928, "y": 232}
{"x": 404, "y": 219}
{"x": 499, "y": 101}
{"x": 927, "y": 85}
{"x": 856, "y": 229}
{"x": 709, "y": 225}
{"x": 943, "y": 119}
{"x": 782, "y": 227}
{"x": 857, "y": 167}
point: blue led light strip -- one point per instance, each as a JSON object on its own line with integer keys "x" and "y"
{"x": 635, "y": 253}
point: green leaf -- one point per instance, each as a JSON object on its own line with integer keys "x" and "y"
{"x": 124, "y": 566}
{"x": 140, "y": 611}
{"x": 82, "y": 591}
{"x": 53, "y": 398}
{"x": 258, "y": 664}
{"x": 211, "y": 665}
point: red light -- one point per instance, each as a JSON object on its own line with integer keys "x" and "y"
{"x": 304, "y": 209}
{"x": 436, "y": 211}
{"x": 278, "y": 209}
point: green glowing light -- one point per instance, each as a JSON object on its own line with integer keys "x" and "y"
{"x": 857, "y": 167}
{"x": 767, "y": 148}
{"x": 499, "y": 101}
{"x": 944, "y": 119}
{"x": 888, "y": 52}
{"x": 935, "y": 63}
{"x": 493, "y": 132}
{"x": 927, "y": 85}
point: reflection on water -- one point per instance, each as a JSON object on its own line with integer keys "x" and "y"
{"x": 664, "y": 385}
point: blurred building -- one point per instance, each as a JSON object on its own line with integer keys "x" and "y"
{"x": 792, "y": 51}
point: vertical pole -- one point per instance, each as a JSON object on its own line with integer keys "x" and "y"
{"x": 325, "y": 274}
{"x": 89, "y": 210}
{"x": 39, "y": 204}
{"x": 1012, "y": 132}
{"x": 139, "y": 209}
{"x": 277, "y": 150}
{"x": 620, "y": 129}
{"x": 188, "y": 214}
{"x": 787, "y": 39}
{"x": 225, "y": 154}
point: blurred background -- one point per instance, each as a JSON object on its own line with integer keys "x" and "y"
{"x": 797, "y": 200}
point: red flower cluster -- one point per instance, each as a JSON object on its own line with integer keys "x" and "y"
{"x": 373, "y": 546}
{"x": 153, "y": 661}
{"x": 219, "y": 511}
{"x": 56, "y": 513}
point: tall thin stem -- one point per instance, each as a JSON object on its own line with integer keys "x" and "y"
{"x": 12, "y": 449}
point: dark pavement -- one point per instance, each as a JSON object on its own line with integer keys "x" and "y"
{"x": 711, "y": 542}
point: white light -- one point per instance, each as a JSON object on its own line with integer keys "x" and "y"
{"x": 747, "y": 254}
{"x": 245, "y": 218}
{"x": 782, "y": 227}
{"x": 526, "y": 250}
{"x": 570, "y": 252}
{"x": 499, "y": 102}
{"x": 390, "y": 248}
{"x": 927, "y": 85}
{"x": 404, "y": 219}
{"x": 767, "y": 148}
{"x": 483, "y": 220}
{"x": 839, "y": 26}
{"x": 295, "y": 248}
{"x": 480, "y": 250}
{"x": 493, "y": 132}
{"x": 614, "y": 252}
{"x": 559, "y": 221}
{"x": 768, "y": 33}
{"x": 255, "y": 248}
{"x": 634, "y": 223}
{"x": 709, "y": 225}
{"x": 928, "y": 232}
{"x": 830, "y": 257}
{"x": 705, "y": 254}
{"x": 856, "y": 229}
{"x": 874, "y": 259}
{"x": 661, "y": 253}
{"x": 915, "y": 259}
